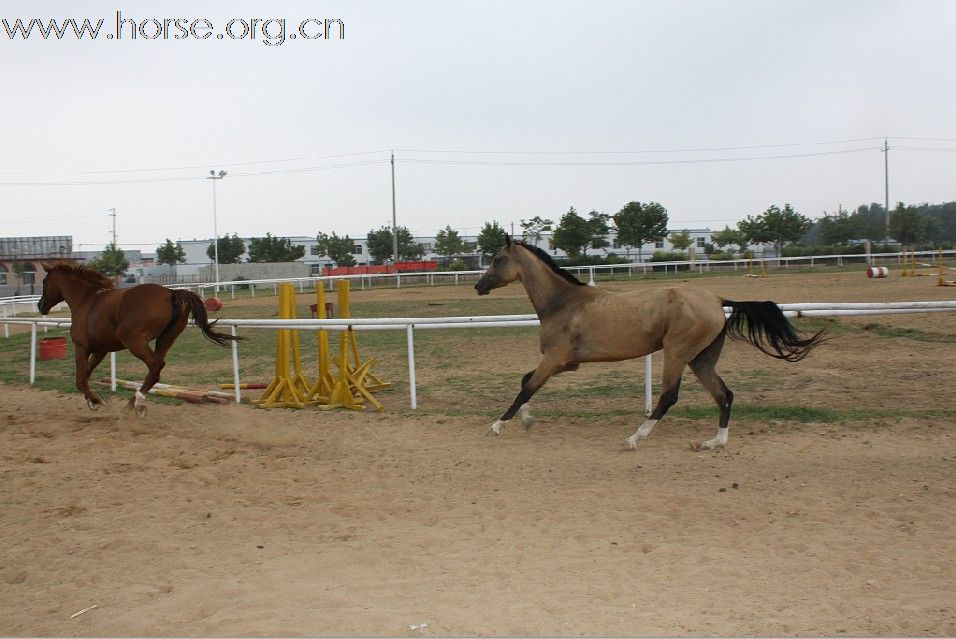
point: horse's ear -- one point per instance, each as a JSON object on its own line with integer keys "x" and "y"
{"x": 46, "y": 267}
{"x": 507, "y": 240}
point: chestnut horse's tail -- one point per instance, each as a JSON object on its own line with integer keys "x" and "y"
{"x": 188, "y": 302}
{"x": 765, "y": 326}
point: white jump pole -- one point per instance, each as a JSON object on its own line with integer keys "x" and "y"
{"x": 113, "y": 371}
{"x": 411, "y": 366}
{"x": 235, "y": 366}
{"x": 33, "y": 352}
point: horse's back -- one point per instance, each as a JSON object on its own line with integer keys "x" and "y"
{"x": 148, "y": 306}
{"x": 682, "y": 312}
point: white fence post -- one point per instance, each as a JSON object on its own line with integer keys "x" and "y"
{"x": 113, "y": 371}
{"x": 412, "y": 387}
{"x": 648, "y": 385}
{"x": 235, "y": 366}
{"x": 33, "y": 352}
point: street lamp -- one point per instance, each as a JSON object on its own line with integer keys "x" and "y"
{"x": 213, "y": 175}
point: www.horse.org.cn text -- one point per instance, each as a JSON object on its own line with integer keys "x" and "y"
{"x": 269, "y": 31}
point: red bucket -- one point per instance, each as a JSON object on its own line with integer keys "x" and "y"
{"x": 52, "y": 348}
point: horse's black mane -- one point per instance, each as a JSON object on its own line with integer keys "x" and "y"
{"x": 84, "y": 273}
{"x": 542, "y": 255}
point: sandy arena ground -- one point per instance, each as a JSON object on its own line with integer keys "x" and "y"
{"x": 226, "y": 520}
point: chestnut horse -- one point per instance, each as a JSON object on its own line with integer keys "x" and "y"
{"x": 581, "y": 323}
{"x": 107, "y": 319}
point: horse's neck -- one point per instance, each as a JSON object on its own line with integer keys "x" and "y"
{"x": 79, "y": 293}
{"x": 547, "y": 290}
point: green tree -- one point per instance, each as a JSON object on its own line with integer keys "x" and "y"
{"x": 338, "y": 249}
{"x": 776, "y": 226}
{"x": 638, "y": 224}
{"x": 730, "y": 237}
{"x": 231, "y": 249}
{"x": 573, "y": 234}
{"x": 274, "y": 249}
{"x": 448, "y": 243}
{"x": 871, "y": 221}
{"x": 491, "y": 239}
{"x": 906, "y": 225}
{"x": 532, "y": 230}
{"x": 380, "y": 245}
{"x": 599, "y": 227}
{"x": 112, "y": 261}
{"x": 170, "y": 253}
{"x": 838, "y": 228}
{"x": 681, "y": 241}
{"x": 19, "y": 269}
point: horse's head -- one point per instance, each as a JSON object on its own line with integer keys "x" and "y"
{"x": 504, "y": 269}
{"x": 51, "y": 291}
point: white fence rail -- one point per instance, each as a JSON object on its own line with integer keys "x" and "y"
{"x": 431, "y": 278}
{"x": 410, "y": 324}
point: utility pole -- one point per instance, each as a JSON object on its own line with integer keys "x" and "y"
{"x": 886, "y": 185}
{"x": 213, "y": 175}
{"x": 113, "y": 215}
{"x": 394, "y": 222}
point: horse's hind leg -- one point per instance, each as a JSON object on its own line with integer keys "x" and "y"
{"x": 670, "y": 382}
{"x": 155, "y": 364}
{"x": 155, "y": 360}
{"x": 705, "y": 368}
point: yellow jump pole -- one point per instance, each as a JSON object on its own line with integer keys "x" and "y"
{"x": 282, "y": 392}
{"x": 324, "y": 382}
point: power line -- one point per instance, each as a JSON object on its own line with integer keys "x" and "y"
{"x": 194, "y": 178}
{"x": 635, "y": 162}
{"x": 643, "y": 151}
{"x": 196, "y": 166}
{"x": 56, "y": 218}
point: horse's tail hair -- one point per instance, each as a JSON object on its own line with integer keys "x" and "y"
{"x": 189, "y": 302}
{"x": 765, "y": 326}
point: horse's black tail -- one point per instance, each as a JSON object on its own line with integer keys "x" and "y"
{"x": 764, "y": 325}
{"x": 191, "y": 303}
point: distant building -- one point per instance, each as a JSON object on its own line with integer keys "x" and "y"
{"x": 31, "y": 252}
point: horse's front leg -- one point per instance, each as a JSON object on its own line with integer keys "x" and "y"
{"x": 530, "y": 384}
{"x": 83, "y": 369}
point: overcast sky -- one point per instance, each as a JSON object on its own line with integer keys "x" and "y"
{"x": 528, "y": 107}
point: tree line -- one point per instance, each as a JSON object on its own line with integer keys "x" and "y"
{"x": 635, "y": 225}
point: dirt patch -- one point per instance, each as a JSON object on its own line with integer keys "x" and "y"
{"x": 226, "y": 520}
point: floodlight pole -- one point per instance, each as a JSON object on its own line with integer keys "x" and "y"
{"x": 213, "y": 175}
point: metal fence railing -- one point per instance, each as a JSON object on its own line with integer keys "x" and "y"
{"x": 410, "y": 324}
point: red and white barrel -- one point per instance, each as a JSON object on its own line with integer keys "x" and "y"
{"x": 877, "y": 271}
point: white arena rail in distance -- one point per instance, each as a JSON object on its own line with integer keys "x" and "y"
{"x": 409, "y": 324}
{"x": 591, "y": 271}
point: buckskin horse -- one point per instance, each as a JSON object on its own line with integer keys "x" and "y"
{"x": 107, "y": 319}
{"x": 581, "y": 323}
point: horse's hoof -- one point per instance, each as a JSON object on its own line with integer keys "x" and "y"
{"x": 491, "y": 432}
{"x": 629, "y": 444}
{"x": 140, "y": 411}
{"x": 92, "y": 405}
